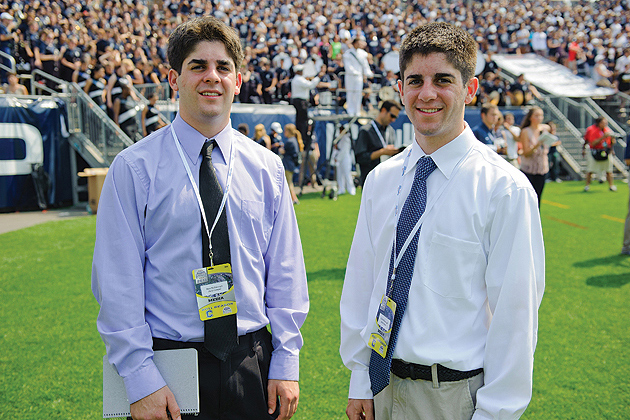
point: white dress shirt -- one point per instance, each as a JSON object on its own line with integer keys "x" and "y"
{"x": 478, "y": 276}
{"x": 301, "y": 87}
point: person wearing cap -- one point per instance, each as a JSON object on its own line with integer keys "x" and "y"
{"x": 7, "y": 36}
{"x": 276, "y": 137}
{"x": 154, "y": 250}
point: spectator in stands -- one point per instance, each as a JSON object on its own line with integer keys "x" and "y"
{"x": 485, "y": 130}
{"x": 7, "y": 37}
{"x": 375, "y": 141}
{"x": 115, "y": 85}
{"x": 151, "y": 120}
{"x": 357, "y": 69}
{"x": 539, "y": 39}
{"x": 625, "y": 250}
{"x": 124, "y": 110}
{"x": 261, "y": 137}
{"x": 96, "y": 85}
{"x": 47, "y": 54}
{"x": 534, "y": 160}
{"x": 291, "y": 151}
{"x": 70, "y": 59}
{"x": 622, "y": 71}
{"x": 81, "y": 74}
{"x": 522, "y": 92}
{"x": 269, "y": 80}
{"x": 13, "y": 86}
{"x": 601, "y": 74}
{"x": 599, "y": 138}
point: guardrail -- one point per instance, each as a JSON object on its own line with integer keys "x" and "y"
{"x": 97, "y": 138}
{"x": 581, "y": 114}
{"x": 5, "y": 56}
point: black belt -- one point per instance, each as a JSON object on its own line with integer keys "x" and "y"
{"x": 413, "y": 371}
{"x": 246, "y": 341}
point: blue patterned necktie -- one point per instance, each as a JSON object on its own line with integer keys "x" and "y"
{"x": 409, "y": 216}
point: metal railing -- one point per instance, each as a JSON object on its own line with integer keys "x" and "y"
{"x": 580, "y": 114}
{"x": 5, "y": 56}
{"x": 95, "y": 136}
{"x": 162, "y": 89}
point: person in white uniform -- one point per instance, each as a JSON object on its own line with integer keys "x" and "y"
{"x": 357, "y": 70}
{"x": 460, "y": 343}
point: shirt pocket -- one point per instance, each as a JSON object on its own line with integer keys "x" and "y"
{"x": 253, "y": 230}
{"x": 452, "y": 265}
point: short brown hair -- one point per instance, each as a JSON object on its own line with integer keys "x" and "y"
{"x": 187, "y": 35}
{"x": 439, "y": 37}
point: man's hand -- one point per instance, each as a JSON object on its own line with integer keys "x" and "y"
{"x": 289, "y": 394}
{"x": 155, "y": 406}
{"x": 360, "y": 409}
{"x": 390, "y": 150}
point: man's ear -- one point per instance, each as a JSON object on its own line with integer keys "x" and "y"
{"x": 400, "y": 92}
{"x": 239, "y": 83}
{"x": 471, "y": 89}
{"x": 172, "y": 79}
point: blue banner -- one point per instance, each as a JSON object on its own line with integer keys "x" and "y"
{"x": 34, "y": 154}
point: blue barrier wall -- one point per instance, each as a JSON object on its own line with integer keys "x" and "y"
{"x": 32, "y": 137}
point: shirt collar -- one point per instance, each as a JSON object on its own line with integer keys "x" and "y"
{"x": 448, "y": 156}
{"x": 192, "y": 140}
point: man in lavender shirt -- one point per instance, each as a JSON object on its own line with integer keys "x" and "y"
{"x": 148, "y": 242}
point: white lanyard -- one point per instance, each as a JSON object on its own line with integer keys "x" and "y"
{"x": 196, "y": 189}
{"x": 413, "y": 232}
{"x": 380, "y": 136}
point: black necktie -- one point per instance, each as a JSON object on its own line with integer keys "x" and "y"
{"x": 220, "y": 334}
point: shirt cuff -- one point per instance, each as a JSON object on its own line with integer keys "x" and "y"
{"x": 360, "y": 385}
{"x": 284, "y": 367}
{"x": 143, "y": 382}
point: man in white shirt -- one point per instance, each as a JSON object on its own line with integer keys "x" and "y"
{"x": 464, "y": 335}
{"x": 300, "y": 97}
{"x": 357, "y": 69}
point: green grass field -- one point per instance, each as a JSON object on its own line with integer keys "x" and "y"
{"x": 50, "y": 352}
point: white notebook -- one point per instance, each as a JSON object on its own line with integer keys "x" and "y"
{"x": 179, "y": 370}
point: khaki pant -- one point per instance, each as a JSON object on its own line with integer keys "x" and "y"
{"x": 406, "y": 399}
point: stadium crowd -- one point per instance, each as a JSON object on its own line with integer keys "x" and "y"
{"x": 128, "y": 38}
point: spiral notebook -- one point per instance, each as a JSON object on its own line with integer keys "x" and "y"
{"x": 179, "y": 370}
